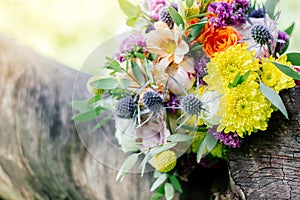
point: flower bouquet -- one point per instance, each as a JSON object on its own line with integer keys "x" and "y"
{"x": 191, "y": 78}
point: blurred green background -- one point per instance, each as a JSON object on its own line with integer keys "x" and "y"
{"x": 69, "y": 30}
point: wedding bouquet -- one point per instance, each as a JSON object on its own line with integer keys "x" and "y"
{"x": 192, "y": 77}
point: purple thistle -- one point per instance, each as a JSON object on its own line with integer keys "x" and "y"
{"x": 131, "y": 44}
{"x": 282, "y": 40}
{"x": 229, "y": 139}
{"x": 172, "y": 104}
{"x": 154, "y": 7}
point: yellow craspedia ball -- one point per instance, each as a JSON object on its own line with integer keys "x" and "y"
{"x": 164, "y": 161}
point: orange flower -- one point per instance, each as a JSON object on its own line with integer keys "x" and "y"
{"x": 216, "y": 40}
{"x": 226, "y": 1}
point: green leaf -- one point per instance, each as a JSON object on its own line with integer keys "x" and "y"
{"x": 207, "y": 144}
{"x": 196, "y": 47}
{"x": 88, "y": 115}
{"x": 131, "y": 21}
{"x": 287, "y": 70}
{"x": 113, "y": 65}
{"x": 156, "y": 196}
{"x": 197, "y": 16}
{"x": 294, "y": 58}
{"x": 176, "y": 17}
{"x": 274, "y": 98}
{"x": 169, "y": 191}
{"x": 158, "y": 182}
{"x": 127, "y": 8}
{"x": 127, "y": 165}
{"x": 159, "y": 149}
{"x": 144, "y": 163}
{"x": 189, "y": 3}
{"x": 290, "y": 29}
{"x": 102, "y": 122}
{"x": 196, "y": 30}
{"x": 179, "y": 138}
{"x": 137, "y": 72}
{"x": 105, "y": 83}
{"x": 124, "y": 83}
{"x": 140, "y": 55}
{"x": 270, "y": 6}
{"x": 175, "y": 182}
{"x": 81, "y": 106}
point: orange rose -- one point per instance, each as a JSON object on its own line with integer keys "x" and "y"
{"x": 216, "y": 40}
{"x": 226, "y": 1}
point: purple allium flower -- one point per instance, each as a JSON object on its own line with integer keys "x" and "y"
{"x": 224, "y": 12}
{"x": 133, "y": 43}
{"x": 257, "y": 13}
{"x": 241, "y": 6}
{"x": 172, "y": 104}
{"x": 229, "y": 139}
{"x": 282, "y": 39}
{"x": 200, "y": 66}
{"x": 155, "y": 6}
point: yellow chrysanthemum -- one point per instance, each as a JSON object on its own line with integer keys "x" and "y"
{"x": 223, "y": 68}
{"x": 273, "y": 77}
{"x": 164, "y": 161}
{"x": 246, "y": 110}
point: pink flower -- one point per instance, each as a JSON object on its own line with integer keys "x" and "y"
{"x": 154, "y": 7}
{"x": 153, "y": 133}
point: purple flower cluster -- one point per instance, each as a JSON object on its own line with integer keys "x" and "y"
{"x": 154, "y": 7}
{"x": 172, "y": 104}
{"x": 227, "y": 14}
{"x": 229, "y": 139}
{"x": 131, "y": 44}
{"x": 200, "y": 66}
{"x": 282, "y": 39}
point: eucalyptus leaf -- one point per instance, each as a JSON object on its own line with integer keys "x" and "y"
{"x": 113, "y": 65}
{"x": 287, "y": 70}
{"x": 179, "y": 138}
{"x": 127, "y": 8}
{"x": 270, "y": 6}
{"x": 81, "y": 106}
{"x": 131, "y": 21}
{"x": 207, "y": 144}
{"x": 175, "y": 182}
{"x": 274, "y": 98}
{"x": 161, "y": 148}
{"x": 169, "y": 191}
{"x": 127, "y": 165}
{"x": 156, "y": 196}
{"x": 189, "y": 3}
{"x": 158, "y": 182}
{"x": 137, "y": 72}
{"x": 290, "y": 29}
{"x": 124, "y": 83}
{"x": 144, "y": 163}
{"x": 88, "y": 115}
{"x": 105, "y": 83}
{"x": 176, "y": 17}
{"x": 181, "y": 7}
{"x": 102, "y": 122}
{"x": 294, "y": 58}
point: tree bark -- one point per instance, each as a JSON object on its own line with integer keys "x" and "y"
{"x": 268, "y": 164}
{"x": 41, "y": 154}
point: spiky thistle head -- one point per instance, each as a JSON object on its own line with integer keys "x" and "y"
{"x": 125, "y": 108}
{"x": 261, "y": 35}
{"x": 191, "y": 104}
{"x": 152, "y": 101}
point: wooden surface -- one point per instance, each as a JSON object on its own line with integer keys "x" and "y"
{"x": 41, "y": 154}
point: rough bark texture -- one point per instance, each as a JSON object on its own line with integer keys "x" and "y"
{"x": 268, "y": 165}
{"x": 41, "y": 156}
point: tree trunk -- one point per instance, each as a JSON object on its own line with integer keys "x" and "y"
{"x": 41, "y": 154}
{"x": 268, "y": 164}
